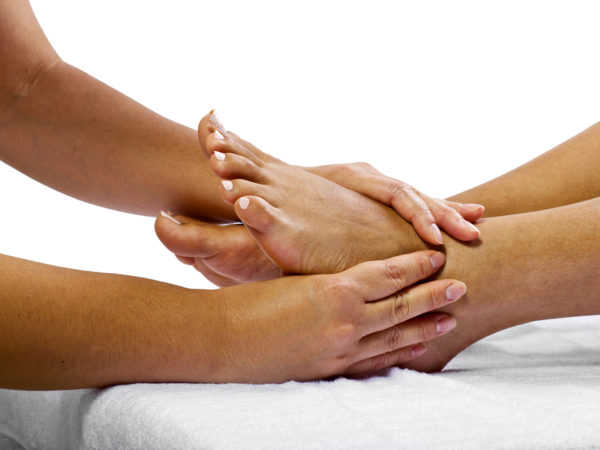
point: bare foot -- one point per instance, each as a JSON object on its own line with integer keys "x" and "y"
{"x": 305, "y": 223}
{"x": 225, "y": 254}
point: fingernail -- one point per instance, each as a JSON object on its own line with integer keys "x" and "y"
{"x": 437, "y": 233}
{"x": 437, "y": 260}
{"x": 220, "y": 156}
{"x": 417, "y": 350}
{"x": 227, "y": 185}
{"x": 444, "y": 325}
{"x": 455, "y": 291}
{"x": 244, "y": 202}
{"x": 170, "y": 217}
{"x": 219, "y": 136}
{"x": 216, "y": 120}
{"x": 480, "y": 208}
{"x": 471, "y": 226}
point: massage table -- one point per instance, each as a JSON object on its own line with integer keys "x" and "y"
{"x": 532, "y": 386}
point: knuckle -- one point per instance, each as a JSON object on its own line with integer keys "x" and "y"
{"x": 395, "y": 338}
{"x": 396, "y": 270}
{"x": 447, "y": 214}
{"x": 401, "y": 308}
{"x": 340, "y": 289}
{"x": 401, "y": 189}
{"x": 425, "y": 332}
{"x": 423, "y": 266}
{"x": 380, "y": 362}
{"x": 363, "y": 165}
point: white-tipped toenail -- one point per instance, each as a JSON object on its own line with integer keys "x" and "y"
{"x": 216, "y": 120}
{"x": 219, "y": 136}
{"x": 244, "y": 202}
{"x": 220, "y": 156}
{"x": 170, "y": 217}
{"x": 227, "y": 185}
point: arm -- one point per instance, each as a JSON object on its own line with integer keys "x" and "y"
{"x": 569, "y": 173}
{"x": 81, "y": 137}
{"x": 71, "y": 329}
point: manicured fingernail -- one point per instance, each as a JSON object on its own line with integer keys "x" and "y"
{"x": 219, "y": 136}
{"x": 471, "y": 226}
{"x": 417, "y": 350}
{"x": 227, "y": 185}
{"x": 244, "y": 202}
{"x": 444, "y": 325}
{"x": 170, "y": 217}
{"x": 455, "y": 291}
{"x": 220, "y": 156}
{"x": 216, "y": 120}
{"x": 437, "y": 233}
{"x": 479, "y": 208}
{"x": 437, "y": 260}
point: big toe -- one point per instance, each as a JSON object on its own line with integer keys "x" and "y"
{"x": 257, "y": 213}
{"x": 189, "y": 238}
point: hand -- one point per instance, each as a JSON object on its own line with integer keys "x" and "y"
{"x": 364, "y": 319}
{"x": 424, "y": 212}
{"x": 225, "y": 254}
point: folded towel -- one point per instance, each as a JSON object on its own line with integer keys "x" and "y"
{"x": 533, "y": 386}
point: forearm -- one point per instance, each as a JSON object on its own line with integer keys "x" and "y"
{"x": 569, "y": 173}
{"x": 81, "y": 137}
{"x": 67, "y": 329}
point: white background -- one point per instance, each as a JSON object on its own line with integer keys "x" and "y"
{"x": 444, "y": 95}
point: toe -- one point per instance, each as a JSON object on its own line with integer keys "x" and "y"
{"x": 230, "y": 166}
{"x": 231, "y": 190}
{"x": 250, "y": 147}
{"x": 219, "y": 142}
{"x": 205, "y": 128}
{"x": 190, "y": 238}
{"x": 256, "y": 213}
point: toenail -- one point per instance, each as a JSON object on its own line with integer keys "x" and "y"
{"x": 227, "y": 185}
{"x": 244, "y": 202}
{"x": 168, "y": 215}
{"x": 216, "y": 120}
{"x": 220, "y": 156}
{"x": 219, "y": 136}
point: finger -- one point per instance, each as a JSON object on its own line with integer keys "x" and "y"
{"x": 415, "y": 331}
{"x": 402, "y": 197}
{"x": 409, "y": 204}
{"x": 412, "y": 302}
{"x": 470, "y": 211}
{"x": 386, "y": 360}
{"x": 191, "y": 237}
{"x": 452, "y": 222}
{"x": 378, "y": 279}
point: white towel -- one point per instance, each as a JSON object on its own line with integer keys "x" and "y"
{"x": 534, "y": 386}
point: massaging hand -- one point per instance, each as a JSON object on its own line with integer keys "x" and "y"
{"x": 424, "y": 212}
{"x": 364, "y": 319}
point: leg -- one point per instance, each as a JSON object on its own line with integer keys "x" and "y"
{"x": 525, "y": 267}
{"x": 569, "y": 173}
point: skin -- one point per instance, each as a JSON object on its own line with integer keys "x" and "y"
{"x": 64, "y": 329}
{"x": 78, "y": 329}
{"x": 539, "y": 258}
